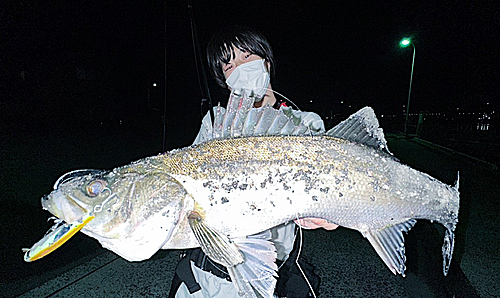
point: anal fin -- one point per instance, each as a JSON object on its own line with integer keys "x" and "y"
{"x": 389, "y": 244}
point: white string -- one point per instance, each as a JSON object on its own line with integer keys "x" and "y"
{"x": 288, "y": 99}
{"x": 98, "y": 208}
{"x": 296, "y": 106}
{"x": 297, "y": 261}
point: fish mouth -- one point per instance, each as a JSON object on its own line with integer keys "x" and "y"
{"x": 63, "y": 206}
{"x": 72, "y": 217}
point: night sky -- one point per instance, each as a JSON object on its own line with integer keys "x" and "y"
{"x": 97, "y": 59}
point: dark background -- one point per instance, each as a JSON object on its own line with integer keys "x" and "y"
{"x": 76, "y": 87}
{"x": 87, "y": 62}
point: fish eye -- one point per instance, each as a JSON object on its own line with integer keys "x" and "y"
{"x": 94, "y": 188}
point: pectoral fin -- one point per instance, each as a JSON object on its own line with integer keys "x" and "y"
{"x": 250, "y": 261}
{"x": 216, "y": 246}
{"x": 390, "y": 246}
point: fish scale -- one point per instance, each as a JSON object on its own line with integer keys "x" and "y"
{"x": 315, "y": 163}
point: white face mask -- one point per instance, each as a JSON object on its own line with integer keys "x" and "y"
{"x": 251, "y": 77}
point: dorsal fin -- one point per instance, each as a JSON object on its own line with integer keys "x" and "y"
{"x": 361, "y": 127}
{"x": 240, "y": 119}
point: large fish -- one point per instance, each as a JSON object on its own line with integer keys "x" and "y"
{"x": 223, "y": 194}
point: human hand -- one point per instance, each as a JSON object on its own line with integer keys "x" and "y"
{"x": 315, "y": 223}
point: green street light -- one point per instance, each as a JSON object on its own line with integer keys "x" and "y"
{"x": 405, "y": 42}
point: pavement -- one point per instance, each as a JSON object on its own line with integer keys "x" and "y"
{"x": 345, "y": 261}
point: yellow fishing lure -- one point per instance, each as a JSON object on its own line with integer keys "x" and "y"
{"x": 57, "y": 236}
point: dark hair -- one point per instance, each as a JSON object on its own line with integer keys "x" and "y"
{"x": 220, "y": 49}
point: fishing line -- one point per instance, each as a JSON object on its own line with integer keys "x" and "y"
{"x": 98, "y": 208}
{"x": 297, "y": 261}
{"x": 200, "y": 68}
{"x": 216, "y": 266}
{"x": 296, "y": 106}
{"x": 165, "y": 41}
{"x": 288, "y": 99}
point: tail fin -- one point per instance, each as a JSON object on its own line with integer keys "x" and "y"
{"x": 449, "y": 237}
{"x": 449, "y": 244}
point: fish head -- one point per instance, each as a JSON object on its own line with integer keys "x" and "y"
{"x": 76, "y": 194}
{"x": 128, "y": 204}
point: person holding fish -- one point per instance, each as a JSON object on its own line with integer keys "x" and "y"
{"x": 241, "y": 61}
{"x": 249, "y": 175}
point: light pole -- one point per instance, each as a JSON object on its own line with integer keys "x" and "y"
{"x": 404, "y": 43}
